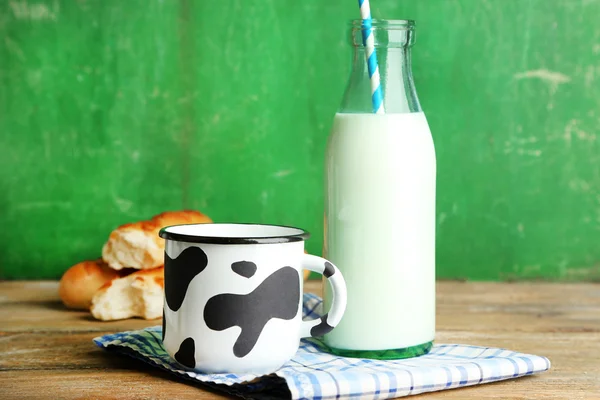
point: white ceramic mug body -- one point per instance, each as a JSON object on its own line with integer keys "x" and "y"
{"x": 233, "y": 296}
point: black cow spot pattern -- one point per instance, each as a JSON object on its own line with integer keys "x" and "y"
{"x": 321, "y": 329}
{"x": 186, "y": 353}
{"x": 247, "y": 269}
{"x": 180, "y": 271}
{"x": 276, "y": 297}
{"x": 329, "y": 270}
{"x": 164, "y": 326}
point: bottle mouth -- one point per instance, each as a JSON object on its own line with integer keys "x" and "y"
{"x": 390, "y": 33}
{"x": 387, "y": 24}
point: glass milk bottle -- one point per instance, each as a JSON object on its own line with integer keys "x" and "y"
{"x": 380, "y": 204}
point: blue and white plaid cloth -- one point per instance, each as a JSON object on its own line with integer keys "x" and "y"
{"x": 316, "y": 374}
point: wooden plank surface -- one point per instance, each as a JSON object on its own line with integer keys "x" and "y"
{"x": 46, "y": 351}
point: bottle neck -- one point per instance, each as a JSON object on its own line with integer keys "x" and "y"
{"x": 399, "y": 93}
{"x": 392, "y": 41}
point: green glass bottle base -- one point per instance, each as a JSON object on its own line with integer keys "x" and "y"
{"x": 392, "y": 354}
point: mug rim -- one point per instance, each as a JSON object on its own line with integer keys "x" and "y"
{"x": 299, "y": 236}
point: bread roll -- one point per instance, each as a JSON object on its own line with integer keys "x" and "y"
{"x": 306, "y": 274}
{"x": 137, "y": 295}
{"x": 80, "y": 282}
{"x": 138, "y": 246}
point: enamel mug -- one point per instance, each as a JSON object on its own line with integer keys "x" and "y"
{"x": 233, "y": 296}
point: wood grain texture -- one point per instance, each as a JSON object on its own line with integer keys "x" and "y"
{"x": 115, "y": 110}
{"x": 47, "y": 352}
{"x": 116, "y": 383}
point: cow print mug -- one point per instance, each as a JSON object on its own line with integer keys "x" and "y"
{"x": 233, "y": 296}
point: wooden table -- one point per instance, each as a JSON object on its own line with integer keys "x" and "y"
{"x": 46, "y": 352}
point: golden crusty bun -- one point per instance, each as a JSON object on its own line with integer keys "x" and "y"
{"x": 138, "y": 246}
{"x": 306, "y": 272}
{"x": 168, "y": 218}
{"x": 80, "y": 282}
{"x": 137, "y": 295}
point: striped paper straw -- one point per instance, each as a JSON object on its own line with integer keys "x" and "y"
{"x": 369, "y": 43}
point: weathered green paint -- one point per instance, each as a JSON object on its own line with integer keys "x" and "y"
{"x": 111, "y": 111}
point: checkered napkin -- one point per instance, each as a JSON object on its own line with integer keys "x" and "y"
{"x": 316, "y": 374}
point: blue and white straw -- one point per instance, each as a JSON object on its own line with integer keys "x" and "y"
{"x": 369, "y": 43}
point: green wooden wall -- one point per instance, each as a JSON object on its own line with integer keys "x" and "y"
{"x": 113, "y": 110}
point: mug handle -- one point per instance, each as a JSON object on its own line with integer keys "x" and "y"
{"x": 323, "y": 325}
